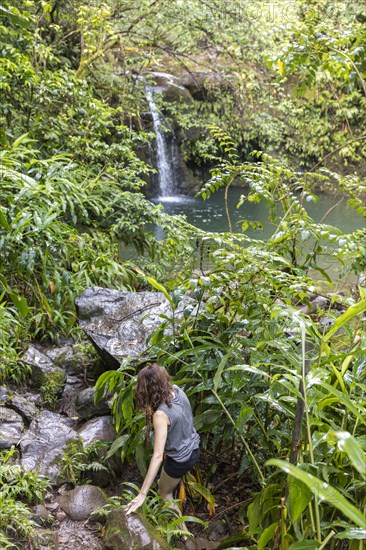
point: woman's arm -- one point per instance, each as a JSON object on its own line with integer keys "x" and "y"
{"x": 161, "y": 422}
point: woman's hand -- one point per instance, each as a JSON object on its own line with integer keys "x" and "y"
{"x": 135, "y": 504}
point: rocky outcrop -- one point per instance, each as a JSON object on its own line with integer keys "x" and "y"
{"x": 85, "y": 406}
{"x": 82, "y": 501}
{"x": 97, "y": 429}
{"x": 43, "y": 369}
{"x": 119, "y": 322}
{"x": 43, "y": 446}
{"x": 23, "y": 406}
{"x": 130, "y": 533}
{"x": 11, "y": 428}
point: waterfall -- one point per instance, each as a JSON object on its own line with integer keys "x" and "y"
{"x": 166, "y": 150}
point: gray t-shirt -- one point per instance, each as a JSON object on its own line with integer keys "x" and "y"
{"x": 182, "y": 438}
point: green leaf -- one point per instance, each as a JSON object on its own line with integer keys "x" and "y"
{"x": 356, "y": 454}
{"x": 298, "y": 498}
{"x": 341, "y": 398}
{"x": 304, "y": 545}
{"x": 321, "y": 490}
{"x": 14, "y": 18}
{"x": 161, "y": 288}
{"x": 351, "y": 312}
{"x": 204, "y": 492}
{"x": 102, "y": 383}
{"x": 204, "y": 421}
{"x": 244, "y": 415}
{"x": 352, "y": 534}
{"x": 267, "y": 535}
{"x": 220, "y": 368}
{"x": 4, "y": 222}
{"x": 20, "y": 303}
{"x": 117, "y": 444}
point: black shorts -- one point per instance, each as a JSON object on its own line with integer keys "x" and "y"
{"x": 179, "y": 469}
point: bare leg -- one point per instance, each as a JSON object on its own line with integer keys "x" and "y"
{"x": 166, "y": 486}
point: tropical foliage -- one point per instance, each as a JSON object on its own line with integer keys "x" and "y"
{"x": 273, "y": 364}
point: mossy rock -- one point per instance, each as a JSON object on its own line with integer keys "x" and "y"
{"x": 131, "y": 533}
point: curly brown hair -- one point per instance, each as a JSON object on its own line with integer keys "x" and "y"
{"x": 154, "y": 387}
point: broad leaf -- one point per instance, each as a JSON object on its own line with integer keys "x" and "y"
{"x": 322, "y": 490}
{"x": 298, "y": 498}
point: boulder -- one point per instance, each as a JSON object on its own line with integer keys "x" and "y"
{"x": 11, "y": 428}
{"x": 130, "y": 533}
{"x": 198, "y": 83}
{"x": 85, "y": 406}
{"x": 119, "y": 322}
{"x": 97, "y": 429}
{"x": 71, "y": 358}
{"x": 170, "y": 87}
{"x": 43, "y": 369}
{"x": 24, "y": 407}
{"x": 82, "y": 501}
{"x": 41, "y": 515}
{"x": 75, "y": 383}
{"x": 43, "y": 445}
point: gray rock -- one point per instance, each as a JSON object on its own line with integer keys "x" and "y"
{"x": 170, "y": 86}
{"x": 82, "y": 501}
{"x": 86, "y": 407}
{"x": 75, "y": 383}
{"x": 45, "y": 539}
{"x": 69, "y": 357}
{"x": 199, "y": 83}
{"x": 43, "y": 445}
{"x": 97, "y": 429}
{"x": 11, "y": 428}
{"x": 119, "y": 322}
{"x": 130, "y": 533}
{"x": 319, "y": 303}
{"x": 43, "y": 369}
{"x": 41, "y": 515}
{"x": 24, "y": 407}
{"x": 3, "y": 394}
{"x": 60, "y": 516}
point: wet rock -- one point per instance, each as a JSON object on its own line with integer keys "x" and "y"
{"x": 43, "y": 445}
{"x": 45, "y": 539}
{"x": 119, "y": 322}
{"x": 41, "y": 515}
{"x": 71, "y": 358}
{"x": 97, "y": 429}
{"x": 170, "y": 87}
{"x": 11, "y": 428}
{"x": 60, "y": 516}
{"x": 319, "y": 303}
{"x": 3, "y": 394}
{"x": 24, "y": 407}
{"x": 44, "y": 371}
{"x": 34, "y": 398}
{"x": 82, "y": 501}
{"x": 52, "y": 506}
{"x": 85, "y": 406}
{"x": 130, "y": 533}
{"x": 199, "y": 83}
{"x": 75, "y": 383}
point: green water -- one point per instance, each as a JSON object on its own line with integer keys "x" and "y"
{"x": 210, "y": 215}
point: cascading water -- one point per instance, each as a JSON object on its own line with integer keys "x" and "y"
{"x": 165, "y": 150}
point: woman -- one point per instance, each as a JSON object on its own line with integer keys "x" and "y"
{"x": 167, "y": 406}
